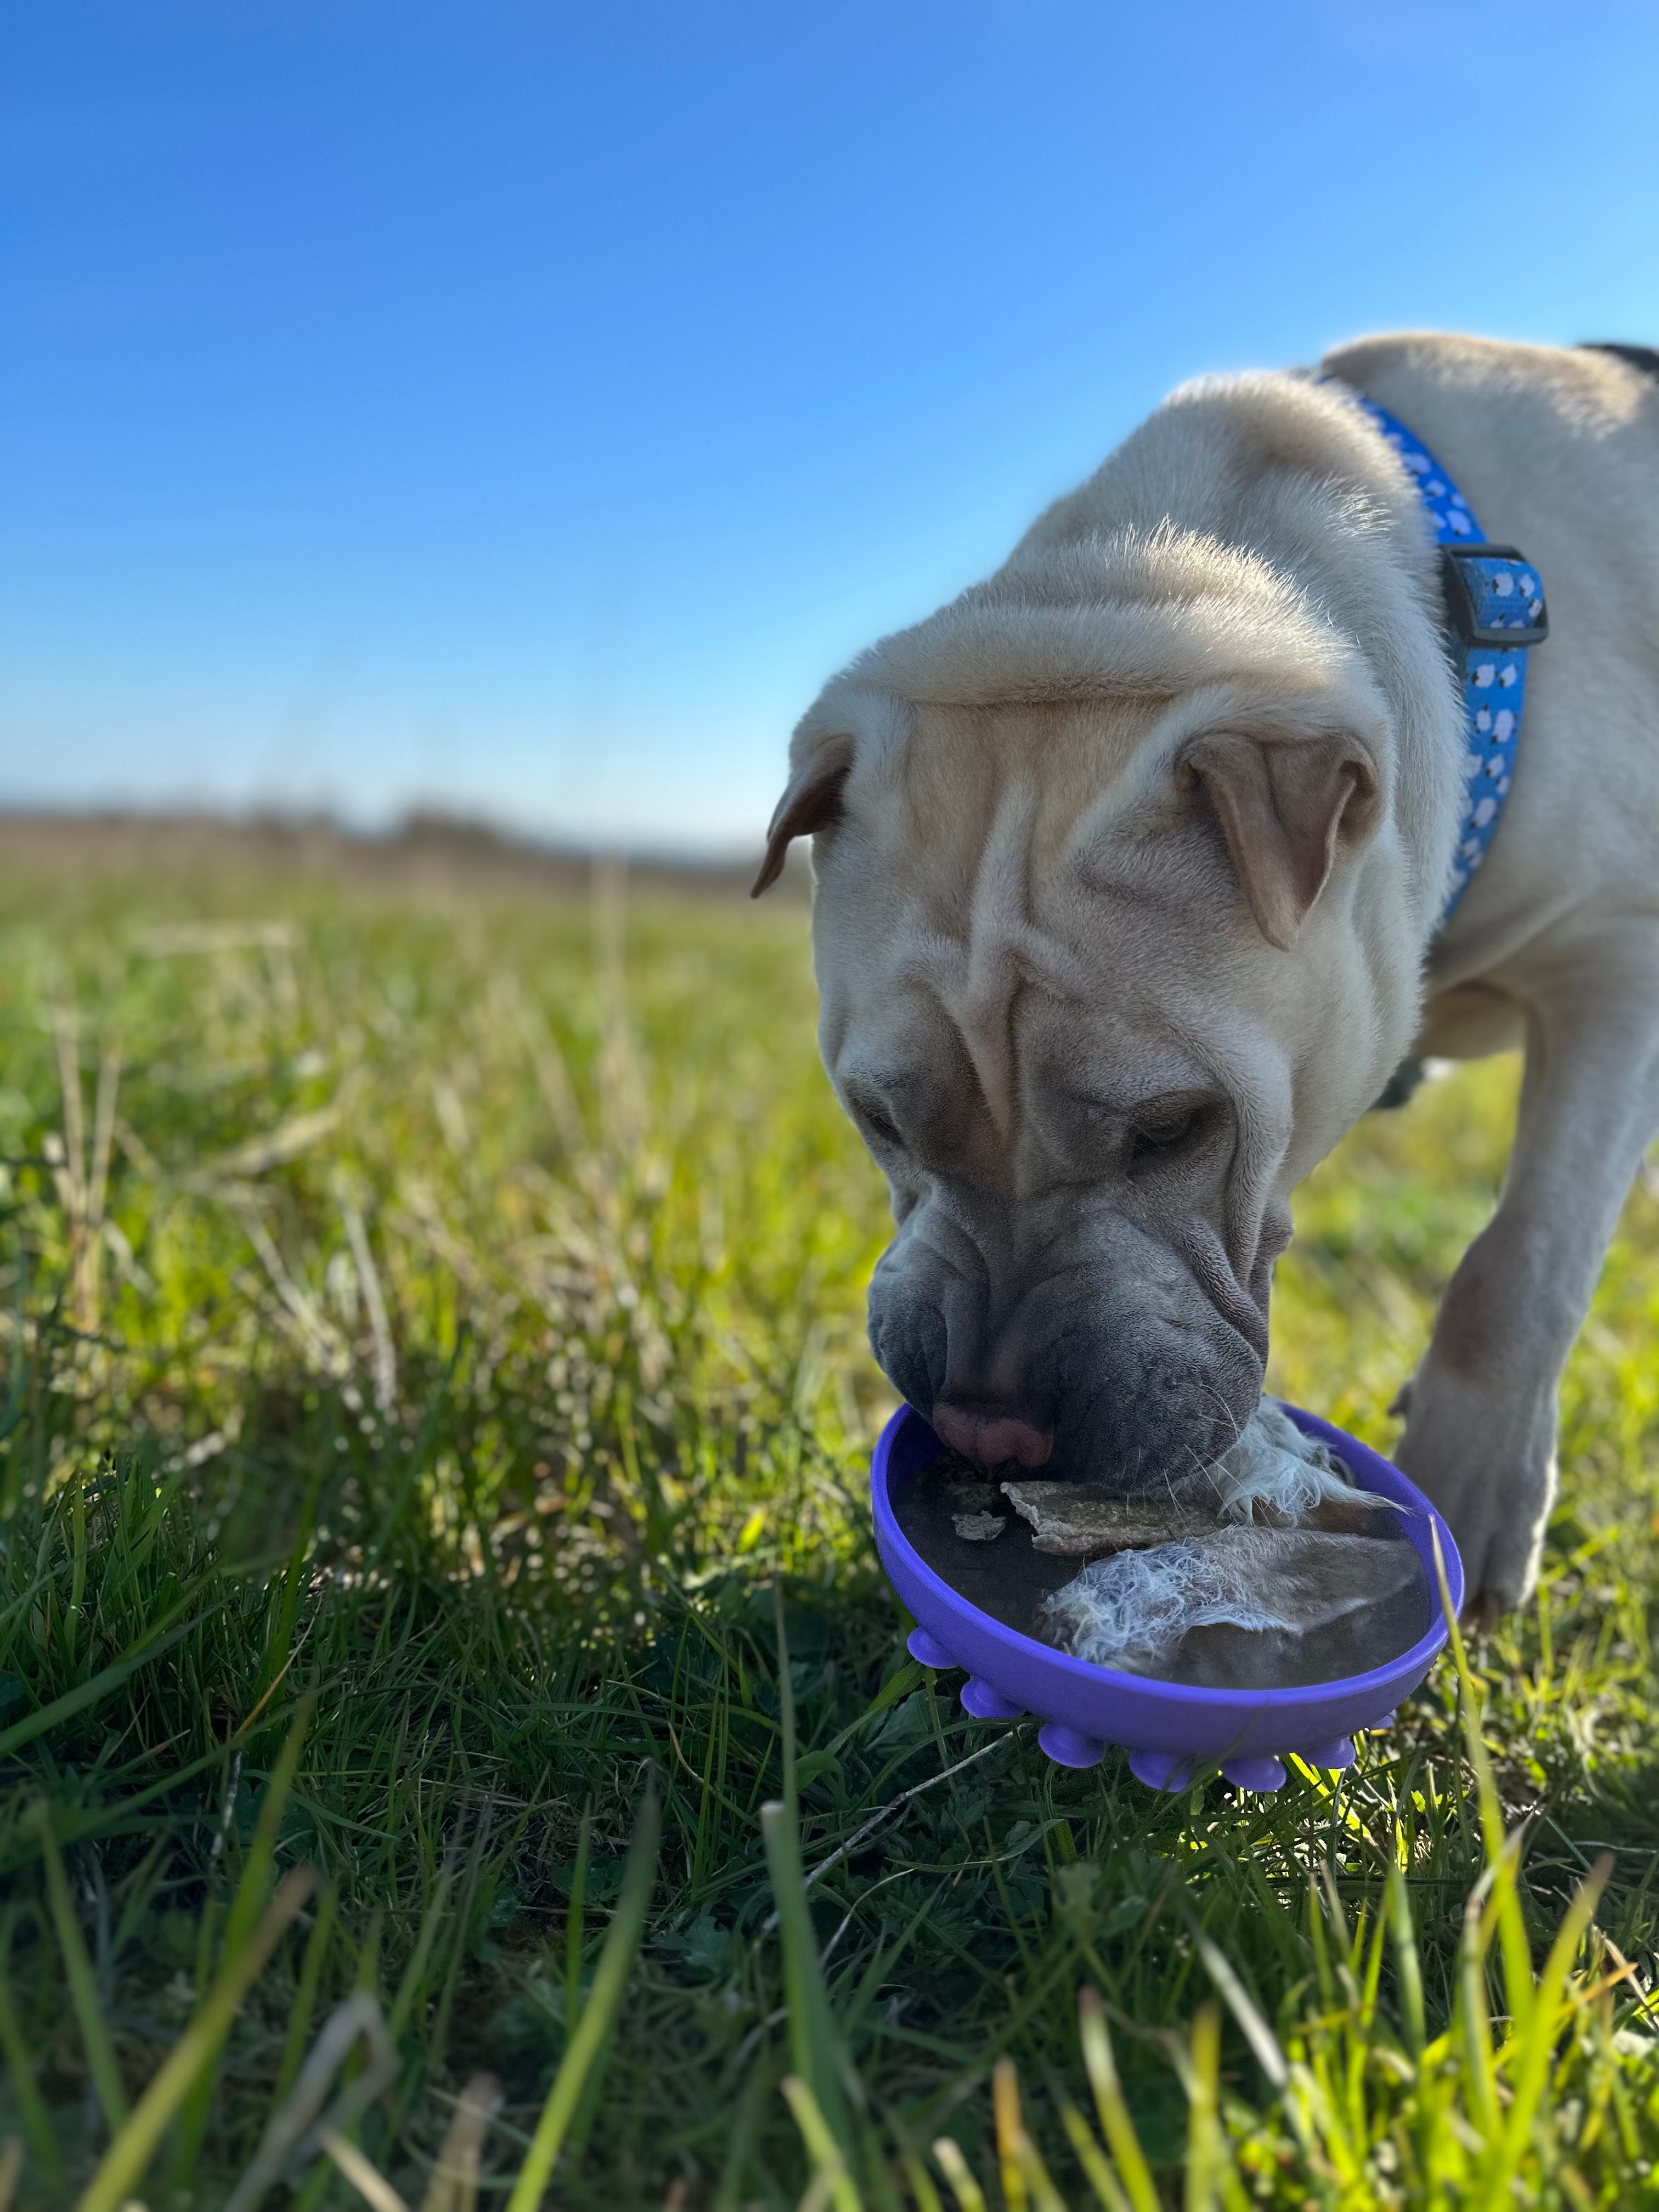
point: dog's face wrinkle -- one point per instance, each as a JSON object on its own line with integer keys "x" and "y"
{"x": 1009, "y": 1246}
{"x": 977, "y": 975}
{"x": 1236, "y": 1302}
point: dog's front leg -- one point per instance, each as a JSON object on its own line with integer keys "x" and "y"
{"x": 1480, "y": 1428}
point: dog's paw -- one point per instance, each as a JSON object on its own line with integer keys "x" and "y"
{"x": 1489, "y": 1465}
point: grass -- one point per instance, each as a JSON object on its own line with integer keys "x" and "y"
{"x": 434, "y": 1411}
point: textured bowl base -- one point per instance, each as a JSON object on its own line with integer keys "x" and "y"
{"x": 1158, "y": 1770}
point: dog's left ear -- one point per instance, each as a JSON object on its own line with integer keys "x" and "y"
{"x": 812, "y": 801}
{"x": 1283, "y": 806}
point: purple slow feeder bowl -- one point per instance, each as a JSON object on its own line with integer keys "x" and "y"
{"x": 1166, "y": 1727}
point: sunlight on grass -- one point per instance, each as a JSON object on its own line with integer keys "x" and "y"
{"x": 435, "y": 1411}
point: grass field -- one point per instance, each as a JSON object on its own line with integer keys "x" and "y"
{"x": 436, "y": 1406}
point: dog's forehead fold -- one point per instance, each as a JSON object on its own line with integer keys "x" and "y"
{"x": 976, "y": 977}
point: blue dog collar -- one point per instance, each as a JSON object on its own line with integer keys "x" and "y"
{"x": 1495, "y": 610}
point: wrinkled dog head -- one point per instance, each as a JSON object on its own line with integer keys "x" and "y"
{"x": 1108, "y": 879}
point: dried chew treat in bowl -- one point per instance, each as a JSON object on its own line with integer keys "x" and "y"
{"x": 1243, "y": 1608}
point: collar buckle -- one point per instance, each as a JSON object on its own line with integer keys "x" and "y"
{"x": 1494, "y": 596}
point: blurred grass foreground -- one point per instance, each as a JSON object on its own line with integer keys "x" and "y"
{"x": 457, "y": 1747}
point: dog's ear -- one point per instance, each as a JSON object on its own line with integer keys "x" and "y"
{"x": 1283, "y": 806}
{"x": 812, "y": 801}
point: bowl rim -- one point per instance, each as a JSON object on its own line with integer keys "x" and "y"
{"x": 1415, "y": 1661}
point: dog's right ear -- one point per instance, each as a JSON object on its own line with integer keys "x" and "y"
{"x": 1282, "y": 808}
{"x": 812, "y": 801}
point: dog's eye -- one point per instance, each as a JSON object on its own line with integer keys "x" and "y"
{"x": 878, "y": 1126}
{"x": 1161, "y": 1134}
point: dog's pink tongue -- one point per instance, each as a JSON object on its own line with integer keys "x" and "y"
{"x": 991, "y": 1438}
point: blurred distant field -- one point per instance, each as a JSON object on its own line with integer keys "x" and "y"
{"x": 436, "y": 1411}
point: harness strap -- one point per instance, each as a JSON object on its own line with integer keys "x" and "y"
{"x": 1495, "y": 610}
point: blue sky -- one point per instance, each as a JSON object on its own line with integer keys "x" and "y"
{"x": 522, "y": 408}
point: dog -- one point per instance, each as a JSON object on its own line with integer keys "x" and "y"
{"x": 1129, "y": 872}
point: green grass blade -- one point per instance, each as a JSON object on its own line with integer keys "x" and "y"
{"x": 785, "y": 1698}
{"x": 252, "y": 1889}
{"x": 814, "y": 2039}
{"x": 1475, "y": 2023}
{"x": 1117, "y": 2124}
{"x": 1257, "y": 2033}
{"x": 82, "y": 1984}
{"x": 1025, "y": 2179}
{"x": 305, "y": 1998}
{"x": 413, "y": 1978}
{"x": 1500, "y": 1857}
{"x": 1005, "y": 2101}
{"x": 573, "y": 1927}
{"x": 19, "y": 2063}
{"x": 957, "y": 2171}
{"x": 622, "y": 1945}
{"x": 1204, "y": 2152}
{"x": 829, "y": 2164}
{"x": 744, "y": 2131}
{"x": 370, "y": 2184}
{"x": 195, "y": 2053}
{"x": 1538, "y": 2042}
{"x": 417, "y": 1458}
{"x": 99, "y": 1686}
{"x": 1407, "y": 1966}
{"x": 245, "y": 1908}
{"x": 919, "y": 2183}
{"x": 1096, "y": 2169}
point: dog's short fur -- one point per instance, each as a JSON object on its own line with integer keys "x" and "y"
{"x": 1129, "y": 868}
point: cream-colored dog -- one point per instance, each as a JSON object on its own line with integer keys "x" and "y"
{"x": 1129, "y": 868}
